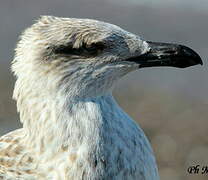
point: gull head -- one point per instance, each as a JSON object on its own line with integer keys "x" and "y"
{"x": 84, "y": 57}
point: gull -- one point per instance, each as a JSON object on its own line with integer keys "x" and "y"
{"x": 73, "y": 129}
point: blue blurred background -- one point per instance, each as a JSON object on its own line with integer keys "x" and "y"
{"x": 170, "y": 104}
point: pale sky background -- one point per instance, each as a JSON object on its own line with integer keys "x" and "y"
{"x": 194, "y": 4}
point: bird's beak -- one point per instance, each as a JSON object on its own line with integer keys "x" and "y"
{"x": 165, "y": 54}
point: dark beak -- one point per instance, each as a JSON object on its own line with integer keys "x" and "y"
{"x": 165, "y": 54}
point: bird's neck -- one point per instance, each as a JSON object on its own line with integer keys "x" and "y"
{"x": 87, "y": 137}
{"x": 69, "y": 124}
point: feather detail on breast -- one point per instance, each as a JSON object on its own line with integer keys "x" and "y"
{"x": 16, "y": 162}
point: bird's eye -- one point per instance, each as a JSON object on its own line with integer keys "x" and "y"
{"x": 62, "y": 49}
{"x": 85, "y": 50}
{"x": 94, "y": 48}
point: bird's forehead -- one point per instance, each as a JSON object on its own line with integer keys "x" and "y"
{"x": 63, "y": 31}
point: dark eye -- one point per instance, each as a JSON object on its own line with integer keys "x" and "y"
{"x": 94, "y": 48}
{"x": 63, "y": 49}
{"x": 85, "y": 50}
